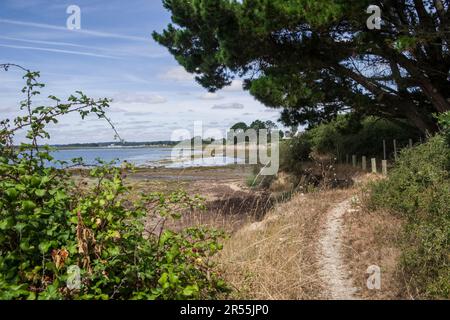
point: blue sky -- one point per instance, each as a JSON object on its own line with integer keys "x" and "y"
{"x": 113, "y": 55}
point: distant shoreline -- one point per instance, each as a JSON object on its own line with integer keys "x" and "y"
{"x": 170, "y": 145}
{"x": 111, "y": 147}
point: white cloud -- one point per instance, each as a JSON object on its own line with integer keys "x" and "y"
{"x": 138, "y": 114}
{"x": 272, "y": 110}
{"x": 114, "y": 109}
{"x": 8, "y": 109}
{"x": 51, "y": 43}
{"x": 211, "y": 96}
{"x": 229, "y": 106}
{"x": 177, "y": 74}
{"x": 135, "y": 78}
{"x": 140, "y": 50}
{"x": 79, "y": 53}
{"x": 149, "y": 98}
{"x": 82, "y": 31}
{"x": 235, "y": 86}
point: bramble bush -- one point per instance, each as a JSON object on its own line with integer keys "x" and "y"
{"x": 50, "y": 224}
{"x": 418, "y": 189}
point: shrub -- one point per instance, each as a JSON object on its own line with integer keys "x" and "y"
{"x": 418, "y": 188}
{"x": 444, "y": 123}
{"x": 343, "y": 136}
{"x": 294, "y": 152}
{"x": 50, "y": 227}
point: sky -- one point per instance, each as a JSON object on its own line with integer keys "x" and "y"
{"x": 113, "y": 55}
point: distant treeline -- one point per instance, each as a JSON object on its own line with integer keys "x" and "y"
{"x": 116, "y": 144}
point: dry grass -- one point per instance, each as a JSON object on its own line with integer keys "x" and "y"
{"x": 372, "y": 238}
{"x": 276, "y": 258}
{"x": 229, "y": 212}
{"x": 212, "y": 219}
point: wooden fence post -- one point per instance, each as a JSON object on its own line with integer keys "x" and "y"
{"x": 395, "y": 150}
{"x": 384, "y": 165}
{"x": 354, "y": 161}
{"x": 364, "y": 163}
{"x": 384, "y": 150}
{"x": 374, "y": 165}
{"x": 410, "y": 143}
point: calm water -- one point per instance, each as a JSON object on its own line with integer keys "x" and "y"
{"x": 142, "y": 157}
{"x": 136, "y": 156}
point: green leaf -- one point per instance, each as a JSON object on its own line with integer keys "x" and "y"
{"x": 28, "y": 205}
{"x": 60, "y": 195}
{"x": 25, "y": 246}
{"x": 163, "y": 279}
{"x": 190, "y": 290}
{"x": 7, "y": 223}
{"x": 31, "y": 296}
{"x": 20, "y": 226}
{"x": 45, "y": 246}
{"x": 12, "y": 193}
{"x": 40, "y": 192}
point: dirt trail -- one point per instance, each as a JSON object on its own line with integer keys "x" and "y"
{"x": 332, "y": 268}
